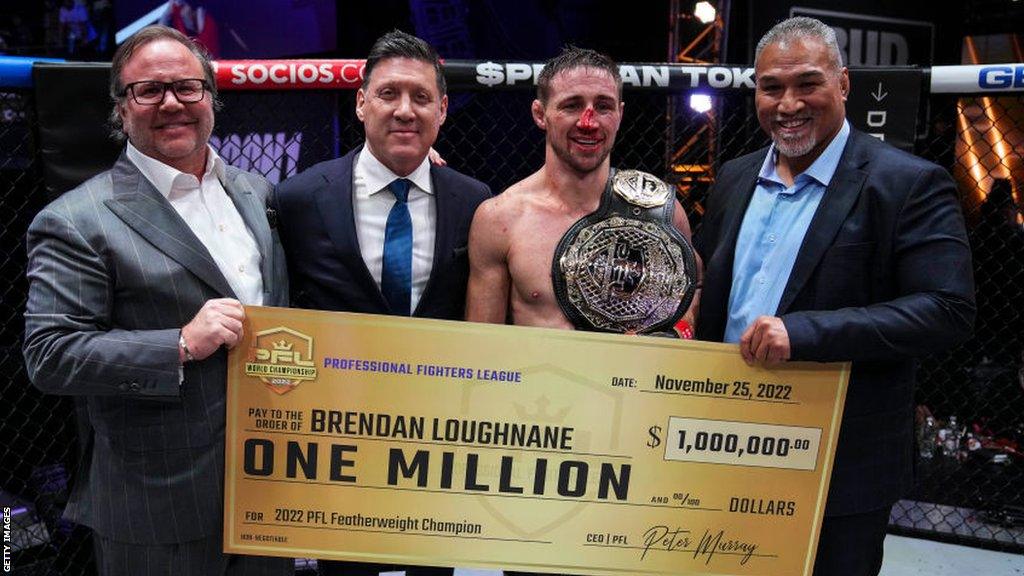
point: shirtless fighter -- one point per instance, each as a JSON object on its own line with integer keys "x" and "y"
{"x": 514, "y": 235}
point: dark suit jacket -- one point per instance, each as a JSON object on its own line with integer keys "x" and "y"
{"x": 114, "y": 273}
{"x": 326, "y": 268}
{"x": 883, "y": 276}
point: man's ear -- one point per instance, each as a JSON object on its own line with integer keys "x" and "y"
{"x": 444, "y": 108}
{"x": 122, "y": 113}
{"x": 844, "y": 83}
{"x": 360, "y": 101}
{"x": 537, "y": 110}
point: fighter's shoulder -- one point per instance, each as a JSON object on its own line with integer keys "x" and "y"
{"x": 519, "y": 196}
{"x": 529, "y": 187}
{"x": 507, "y": 206}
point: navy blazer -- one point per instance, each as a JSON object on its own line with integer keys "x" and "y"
{"x": 883, "y": 276}
{"x": 317, "y": 228}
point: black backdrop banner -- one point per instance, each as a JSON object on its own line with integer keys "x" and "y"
{"x": 253, "y": 132}
{"x": 278, "y": 133}
{"x": 884, "y": 103}
{"x": 72, "y": 107}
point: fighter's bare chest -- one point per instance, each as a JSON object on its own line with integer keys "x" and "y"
{"x": 532, "y": 251}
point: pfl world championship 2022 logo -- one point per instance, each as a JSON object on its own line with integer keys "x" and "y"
{"x": 282, "y": 358}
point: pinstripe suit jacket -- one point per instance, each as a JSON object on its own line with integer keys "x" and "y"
{"x": 114, "y": 273}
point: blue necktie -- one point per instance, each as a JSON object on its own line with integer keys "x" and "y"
{"x": 396, "y": 275}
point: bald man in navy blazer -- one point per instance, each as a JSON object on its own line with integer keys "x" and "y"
{"x": 337, "y": 219}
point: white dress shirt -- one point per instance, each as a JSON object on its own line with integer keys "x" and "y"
{"x": 371, "y": 204}
{"x": 211, "y": 215}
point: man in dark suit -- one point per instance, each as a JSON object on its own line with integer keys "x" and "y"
{"x": 351, "y": 245}
{"x": 381, "y": 230}
{"x": 136, "y": 284}
{"x": 828, "y": 246}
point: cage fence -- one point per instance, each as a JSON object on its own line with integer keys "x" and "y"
{"x": 970, "y": 399}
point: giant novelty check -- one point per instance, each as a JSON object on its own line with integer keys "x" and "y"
{"x": 425, "y": 442}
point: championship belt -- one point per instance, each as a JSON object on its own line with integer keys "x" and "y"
{"x": 625, "y": 267}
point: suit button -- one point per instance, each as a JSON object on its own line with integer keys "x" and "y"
{"x": 122, "y": 386}
{"x": 134, "y": 386}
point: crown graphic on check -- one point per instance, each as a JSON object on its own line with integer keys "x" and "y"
{"x": 541, "y": 413}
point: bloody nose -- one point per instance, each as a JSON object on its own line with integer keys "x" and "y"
{"x": 587, "y": 119}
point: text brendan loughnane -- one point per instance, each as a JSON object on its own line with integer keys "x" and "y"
{"x": 437, "y": 453}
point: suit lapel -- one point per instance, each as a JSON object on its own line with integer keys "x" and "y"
{"x": 254, "y": 215}
{"x": 147, "y": 212}
{"x": 446, "y": 201}
{"x": 836, "y": 203}
{"x": 334, "y": 200}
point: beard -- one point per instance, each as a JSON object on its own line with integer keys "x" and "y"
{"x": 794, "y": 147}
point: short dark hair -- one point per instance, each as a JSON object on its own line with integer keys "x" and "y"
{"x": 574, "y": 57}
{"x": 398, "y": 44}
{"x": 138, "y": 40}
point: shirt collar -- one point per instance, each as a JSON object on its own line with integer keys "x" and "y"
{"x": 823, "y": 167}
{"x": 378, "y": 176}
{"x": 166, "y": 178}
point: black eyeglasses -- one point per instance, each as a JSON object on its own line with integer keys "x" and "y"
{"x": 152, "y": 92}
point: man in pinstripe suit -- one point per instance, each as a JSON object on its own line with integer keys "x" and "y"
{"x": 136, "y": 284}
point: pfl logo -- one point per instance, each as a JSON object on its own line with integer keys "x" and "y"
{"x": 281, "y": 359}
{"x": 1001, "y": 77}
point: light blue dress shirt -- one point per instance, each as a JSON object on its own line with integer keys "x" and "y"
{"x": 772, "y": 231}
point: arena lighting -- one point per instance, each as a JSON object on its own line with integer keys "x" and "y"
{"x": 700, "y": 102}
{"x": 984, "y": 137}
{"x": 704, "y": 12}
{"x": 151, "y": 17}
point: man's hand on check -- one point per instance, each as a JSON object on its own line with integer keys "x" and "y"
{"x": 765, "y": 340}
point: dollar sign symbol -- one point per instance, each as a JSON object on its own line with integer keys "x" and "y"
{"x": 489, "y": 73}
{"x": 655, "y": 440}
